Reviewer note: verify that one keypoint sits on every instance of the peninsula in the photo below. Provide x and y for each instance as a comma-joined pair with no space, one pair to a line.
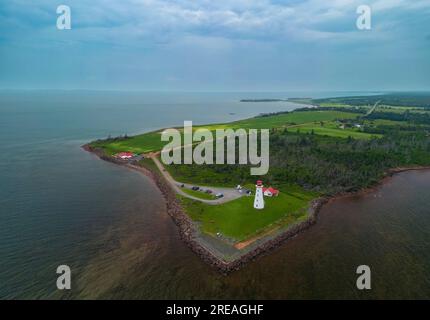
316,153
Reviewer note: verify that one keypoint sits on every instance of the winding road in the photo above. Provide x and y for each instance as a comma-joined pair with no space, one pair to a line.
229,193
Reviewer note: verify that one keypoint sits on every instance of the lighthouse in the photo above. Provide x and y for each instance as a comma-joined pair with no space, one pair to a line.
259,199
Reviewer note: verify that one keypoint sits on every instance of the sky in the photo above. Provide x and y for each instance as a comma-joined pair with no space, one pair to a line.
218,45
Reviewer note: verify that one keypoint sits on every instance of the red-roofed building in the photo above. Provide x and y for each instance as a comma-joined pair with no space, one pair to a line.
125,155
270,192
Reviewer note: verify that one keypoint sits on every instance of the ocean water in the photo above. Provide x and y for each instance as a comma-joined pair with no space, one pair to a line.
61,205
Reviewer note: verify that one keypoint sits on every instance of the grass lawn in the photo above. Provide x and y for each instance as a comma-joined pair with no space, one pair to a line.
239,220
199,194
398,109
142,143
151,141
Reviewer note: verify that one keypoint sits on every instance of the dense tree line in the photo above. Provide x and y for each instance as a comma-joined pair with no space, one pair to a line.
407,116
332,165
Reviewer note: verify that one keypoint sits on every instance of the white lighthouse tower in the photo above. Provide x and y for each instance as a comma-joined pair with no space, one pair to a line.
259,199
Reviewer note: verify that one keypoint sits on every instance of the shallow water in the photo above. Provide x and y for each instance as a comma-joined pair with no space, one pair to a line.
61,205
380,229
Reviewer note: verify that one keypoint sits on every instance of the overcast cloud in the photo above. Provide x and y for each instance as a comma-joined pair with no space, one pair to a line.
215,45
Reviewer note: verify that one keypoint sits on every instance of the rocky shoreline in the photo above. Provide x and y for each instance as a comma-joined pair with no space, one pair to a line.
188,232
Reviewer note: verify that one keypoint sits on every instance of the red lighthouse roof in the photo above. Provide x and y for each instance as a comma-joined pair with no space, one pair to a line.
259,182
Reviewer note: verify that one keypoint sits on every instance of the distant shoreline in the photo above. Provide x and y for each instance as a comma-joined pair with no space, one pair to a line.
264,100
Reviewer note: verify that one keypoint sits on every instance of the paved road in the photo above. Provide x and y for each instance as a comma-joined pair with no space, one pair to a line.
229,193
373,108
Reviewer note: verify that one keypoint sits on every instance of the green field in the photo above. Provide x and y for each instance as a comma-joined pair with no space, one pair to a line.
142,143
151,141
285,119
239,220
335,105
332,129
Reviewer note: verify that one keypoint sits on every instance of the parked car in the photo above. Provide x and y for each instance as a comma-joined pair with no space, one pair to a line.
195,188
209,191
219,195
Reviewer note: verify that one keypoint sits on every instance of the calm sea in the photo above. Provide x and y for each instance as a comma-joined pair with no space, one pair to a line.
61,205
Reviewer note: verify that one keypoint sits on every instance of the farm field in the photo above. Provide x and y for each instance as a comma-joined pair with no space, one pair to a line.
143,143
332,129
151,141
